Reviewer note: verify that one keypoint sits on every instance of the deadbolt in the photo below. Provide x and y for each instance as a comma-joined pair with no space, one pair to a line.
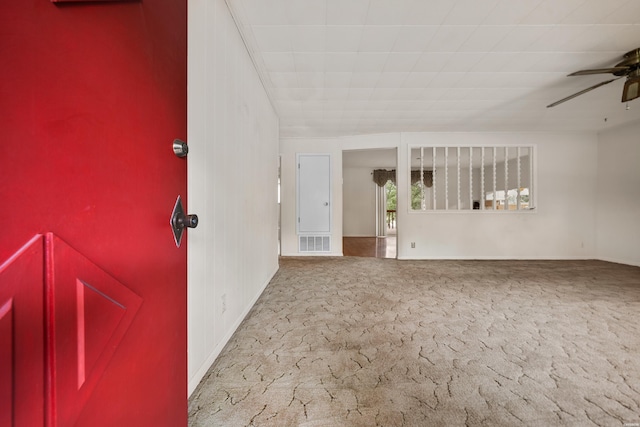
180,148
180,221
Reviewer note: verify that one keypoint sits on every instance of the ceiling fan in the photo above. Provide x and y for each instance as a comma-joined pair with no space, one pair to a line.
629,67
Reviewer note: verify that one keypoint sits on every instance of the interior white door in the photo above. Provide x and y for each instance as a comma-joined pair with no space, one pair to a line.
314,193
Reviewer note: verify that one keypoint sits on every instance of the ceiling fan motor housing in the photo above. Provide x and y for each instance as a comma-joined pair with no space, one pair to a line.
631,88
629,67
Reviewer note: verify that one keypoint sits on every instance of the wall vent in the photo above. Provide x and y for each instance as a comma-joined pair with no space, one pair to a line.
315,244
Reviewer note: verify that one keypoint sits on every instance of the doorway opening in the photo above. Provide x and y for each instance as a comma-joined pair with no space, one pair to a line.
390,205
369,203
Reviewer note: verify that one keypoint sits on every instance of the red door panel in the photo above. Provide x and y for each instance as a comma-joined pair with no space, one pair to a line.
22,337
89,313
89,108
6,362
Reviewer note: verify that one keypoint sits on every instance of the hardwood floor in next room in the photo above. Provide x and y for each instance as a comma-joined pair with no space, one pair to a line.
376,247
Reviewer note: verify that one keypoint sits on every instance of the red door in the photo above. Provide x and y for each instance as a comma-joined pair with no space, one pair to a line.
92,285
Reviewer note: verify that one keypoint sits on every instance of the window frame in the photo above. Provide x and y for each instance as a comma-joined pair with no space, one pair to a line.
484,190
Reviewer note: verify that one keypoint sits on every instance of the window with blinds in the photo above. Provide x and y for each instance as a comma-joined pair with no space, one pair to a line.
454,178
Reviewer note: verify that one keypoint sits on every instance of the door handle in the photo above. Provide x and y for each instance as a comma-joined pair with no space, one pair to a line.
180,221
326,203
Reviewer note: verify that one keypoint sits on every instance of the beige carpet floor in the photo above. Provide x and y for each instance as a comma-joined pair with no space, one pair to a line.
377,342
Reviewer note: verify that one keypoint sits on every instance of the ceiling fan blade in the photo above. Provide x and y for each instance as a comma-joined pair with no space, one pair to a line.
582,92
612,70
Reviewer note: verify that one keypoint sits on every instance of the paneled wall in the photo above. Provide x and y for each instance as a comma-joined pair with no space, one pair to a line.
618,214
233,179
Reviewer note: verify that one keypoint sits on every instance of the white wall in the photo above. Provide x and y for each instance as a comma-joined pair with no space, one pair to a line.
288,150
359,198
562,226
232,184
618,212
289,147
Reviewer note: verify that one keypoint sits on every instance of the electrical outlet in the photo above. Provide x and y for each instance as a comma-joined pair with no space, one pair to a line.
413,245
224,302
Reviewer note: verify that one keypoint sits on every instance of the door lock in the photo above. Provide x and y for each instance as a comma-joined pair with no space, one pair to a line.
180,148
180,221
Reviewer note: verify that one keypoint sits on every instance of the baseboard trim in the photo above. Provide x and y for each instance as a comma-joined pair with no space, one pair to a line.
497,258
200,373
619,261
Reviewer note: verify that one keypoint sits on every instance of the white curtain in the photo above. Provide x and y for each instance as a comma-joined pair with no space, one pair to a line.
381,211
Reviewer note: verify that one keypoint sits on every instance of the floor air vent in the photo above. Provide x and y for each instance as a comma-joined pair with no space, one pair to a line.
315,244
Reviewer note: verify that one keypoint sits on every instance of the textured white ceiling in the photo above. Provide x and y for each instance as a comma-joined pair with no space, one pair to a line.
345,67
